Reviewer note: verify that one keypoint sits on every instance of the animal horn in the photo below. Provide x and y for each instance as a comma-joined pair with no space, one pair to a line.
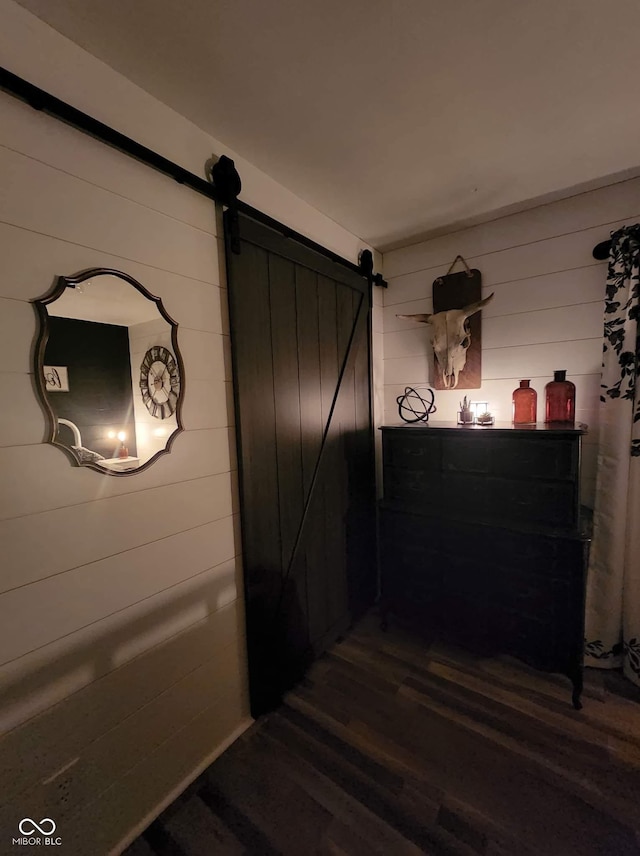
472,308
422,317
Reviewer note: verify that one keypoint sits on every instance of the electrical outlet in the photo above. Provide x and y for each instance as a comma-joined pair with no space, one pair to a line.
59,786
62,791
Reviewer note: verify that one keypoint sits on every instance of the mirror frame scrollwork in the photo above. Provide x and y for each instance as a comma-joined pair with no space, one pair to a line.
60,285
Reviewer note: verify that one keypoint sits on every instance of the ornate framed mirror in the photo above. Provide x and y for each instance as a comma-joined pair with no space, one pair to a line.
108,371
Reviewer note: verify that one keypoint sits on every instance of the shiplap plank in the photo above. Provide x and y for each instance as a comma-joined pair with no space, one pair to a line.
391,322
147,786
564,324
553,255
222,272
63,731
87,770
17,334
595,209
50,141
205,404
408,370
562,288
588,492
106,527
62,604
590,417
31,263
204,353
414,341
102,761
377,318
21,416
577,356
417,285
58,698
583,321
42,477
116,225
589,462
215,683
541,360
224,304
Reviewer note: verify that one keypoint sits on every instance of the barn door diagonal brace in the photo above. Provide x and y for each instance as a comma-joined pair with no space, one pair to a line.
359,320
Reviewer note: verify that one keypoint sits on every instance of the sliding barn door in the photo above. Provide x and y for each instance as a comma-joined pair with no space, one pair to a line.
301,364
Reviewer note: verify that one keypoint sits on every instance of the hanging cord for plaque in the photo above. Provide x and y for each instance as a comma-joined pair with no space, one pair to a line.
457,259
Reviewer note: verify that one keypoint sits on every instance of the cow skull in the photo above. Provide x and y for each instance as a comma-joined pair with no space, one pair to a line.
451,338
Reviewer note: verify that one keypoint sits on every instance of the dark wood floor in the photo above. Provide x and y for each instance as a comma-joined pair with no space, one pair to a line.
392,748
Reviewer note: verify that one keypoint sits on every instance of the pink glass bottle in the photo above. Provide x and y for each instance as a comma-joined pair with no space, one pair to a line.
560,400
525,404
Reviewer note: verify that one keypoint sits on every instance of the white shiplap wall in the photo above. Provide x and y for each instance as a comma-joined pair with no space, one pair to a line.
547,312
105,579
122,663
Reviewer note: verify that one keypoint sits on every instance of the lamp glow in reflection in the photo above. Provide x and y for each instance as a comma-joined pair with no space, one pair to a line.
123,451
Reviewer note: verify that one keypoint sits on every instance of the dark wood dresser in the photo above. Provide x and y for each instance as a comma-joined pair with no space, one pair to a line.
484,542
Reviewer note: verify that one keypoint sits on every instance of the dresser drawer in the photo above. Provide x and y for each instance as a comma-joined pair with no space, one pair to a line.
461,455
556,558
501,501
413,489
410,531
552,505
535,457
412,451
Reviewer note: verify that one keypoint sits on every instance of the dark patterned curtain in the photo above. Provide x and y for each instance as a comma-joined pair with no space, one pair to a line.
613,590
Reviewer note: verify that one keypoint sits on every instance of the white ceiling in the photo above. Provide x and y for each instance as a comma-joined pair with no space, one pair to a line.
393,117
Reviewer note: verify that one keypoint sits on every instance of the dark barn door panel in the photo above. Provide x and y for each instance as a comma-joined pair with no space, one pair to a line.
301,366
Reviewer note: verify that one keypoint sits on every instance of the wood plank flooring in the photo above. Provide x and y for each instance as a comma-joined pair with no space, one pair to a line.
391,747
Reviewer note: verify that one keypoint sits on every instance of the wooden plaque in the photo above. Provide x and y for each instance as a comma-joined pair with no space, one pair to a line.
454,291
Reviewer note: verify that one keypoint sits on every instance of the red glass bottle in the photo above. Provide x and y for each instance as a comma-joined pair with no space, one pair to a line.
560,400
525,404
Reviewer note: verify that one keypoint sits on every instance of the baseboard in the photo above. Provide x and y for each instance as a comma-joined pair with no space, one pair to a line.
131,836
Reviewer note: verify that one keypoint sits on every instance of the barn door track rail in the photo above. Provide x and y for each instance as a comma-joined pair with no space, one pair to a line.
224,186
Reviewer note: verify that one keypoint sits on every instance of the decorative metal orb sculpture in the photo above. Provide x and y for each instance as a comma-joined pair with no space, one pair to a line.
414,407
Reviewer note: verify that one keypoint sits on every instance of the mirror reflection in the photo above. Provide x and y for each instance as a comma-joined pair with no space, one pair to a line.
109,371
